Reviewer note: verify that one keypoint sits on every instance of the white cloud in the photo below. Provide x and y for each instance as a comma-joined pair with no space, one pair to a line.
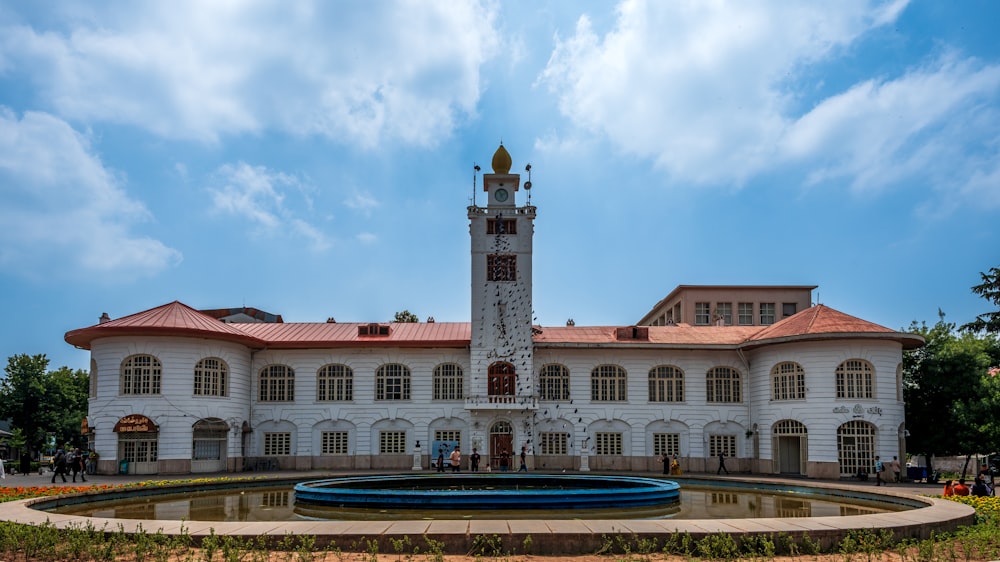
699,86
258,195
62,206
936,125
357,73
366,238
363,202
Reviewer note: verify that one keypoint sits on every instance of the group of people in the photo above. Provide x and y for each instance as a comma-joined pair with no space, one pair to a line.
74,462
455,460
979,488
886,472
670,464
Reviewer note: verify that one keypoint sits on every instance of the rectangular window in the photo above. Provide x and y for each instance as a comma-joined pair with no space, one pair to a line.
722,444
667,444
391,442
702,313
335,383
277,444
448,435
501,267
608,444
724,312
745,314
333,443
551,443
788,309
501,226
766,313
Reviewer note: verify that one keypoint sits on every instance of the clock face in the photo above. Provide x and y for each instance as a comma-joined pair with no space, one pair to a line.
500,195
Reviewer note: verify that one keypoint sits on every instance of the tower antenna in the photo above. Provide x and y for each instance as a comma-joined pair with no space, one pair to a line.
475,172
527,184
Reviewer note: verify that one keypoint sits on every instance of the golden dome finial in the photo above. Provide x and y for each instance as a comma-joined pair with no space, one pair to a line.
501,161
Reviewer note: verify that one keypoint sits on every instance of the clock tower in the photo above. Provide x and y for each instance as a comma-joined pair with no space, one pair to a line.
501,386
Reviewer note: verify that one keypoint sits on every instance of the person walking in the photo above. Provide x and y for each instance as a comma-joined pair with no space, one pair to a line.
440,467
524,459
59,465
722,464
474,460
77,465
879,471
25,463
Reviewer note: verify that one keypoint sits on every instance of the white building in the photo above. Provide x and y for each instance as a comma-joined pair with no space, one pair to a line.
816,392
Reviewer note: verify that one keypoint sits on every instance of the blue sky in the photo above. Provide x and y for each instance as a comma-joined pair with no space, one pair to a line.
314,159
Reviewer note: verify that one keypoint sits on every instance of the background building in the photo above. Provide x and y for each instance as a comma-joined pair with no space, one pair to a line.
768,380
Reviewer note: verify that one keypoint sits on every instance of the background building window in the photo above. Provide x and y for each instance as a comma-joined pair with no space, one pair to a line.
335,383
141,374
501,267
553,443
724,312
766,313
277,384
702,313
553,383
788,381
788,309
722,444
391,442
723,384
210,377
277,444
333,443
745,314
501,226
608,383
666,384
392,382
855,379
666,444
608,444
448,382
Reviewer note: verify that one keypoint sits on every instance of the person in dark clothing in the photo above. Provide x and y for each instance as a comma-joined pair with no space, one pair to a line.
722,464
474,460
524,460
25,467
77,465
440,467
59,463
979,488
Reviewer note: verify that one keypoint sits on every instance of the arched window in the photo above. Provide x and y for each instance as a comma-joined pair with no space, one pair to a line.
553,382
277,384
392,382
789,427
335,383
856,447
93,377
448,382
608,383
501,382
788,381
723,384
855,379
141,374
666,384
211,375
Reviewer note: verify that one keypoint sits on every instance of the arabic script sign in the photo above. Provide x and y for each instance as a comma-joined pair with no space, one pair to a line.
136,423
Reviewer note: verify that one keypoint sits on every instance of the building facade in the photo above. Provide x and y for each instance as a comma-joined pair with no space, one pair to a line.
815,392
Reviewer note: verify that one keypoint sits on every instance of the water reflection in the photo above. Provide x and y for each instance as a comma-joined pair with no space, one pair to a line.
278,504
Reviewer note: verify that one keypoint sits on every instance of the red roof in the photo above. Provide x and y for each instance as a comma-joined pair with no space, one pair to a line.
173,319
178,319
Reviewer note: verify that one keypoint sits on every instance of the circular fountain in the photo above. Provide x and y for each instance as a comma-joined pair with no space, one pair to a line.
471,492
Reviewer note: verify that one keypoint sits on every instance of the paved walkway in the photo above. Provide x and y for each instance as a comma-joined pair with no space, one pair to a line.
548,536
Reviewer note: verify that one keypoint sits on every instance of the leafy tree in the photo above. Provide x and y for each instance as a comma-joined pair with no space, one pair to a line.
939,379
989,289
41,402
405,316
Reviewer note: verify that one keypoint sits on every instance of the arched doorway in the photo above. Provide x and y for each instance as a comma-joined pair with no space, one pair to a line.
208,447
501,444
856,447
502,382
789,440
138,445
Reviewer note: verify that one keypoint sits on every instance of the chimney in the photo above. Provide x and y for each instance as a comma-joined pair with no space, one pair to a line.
104,318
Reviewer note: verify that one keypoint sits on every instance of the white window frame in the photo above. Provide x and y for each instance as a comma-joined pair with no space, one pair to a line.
608,443
335,383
